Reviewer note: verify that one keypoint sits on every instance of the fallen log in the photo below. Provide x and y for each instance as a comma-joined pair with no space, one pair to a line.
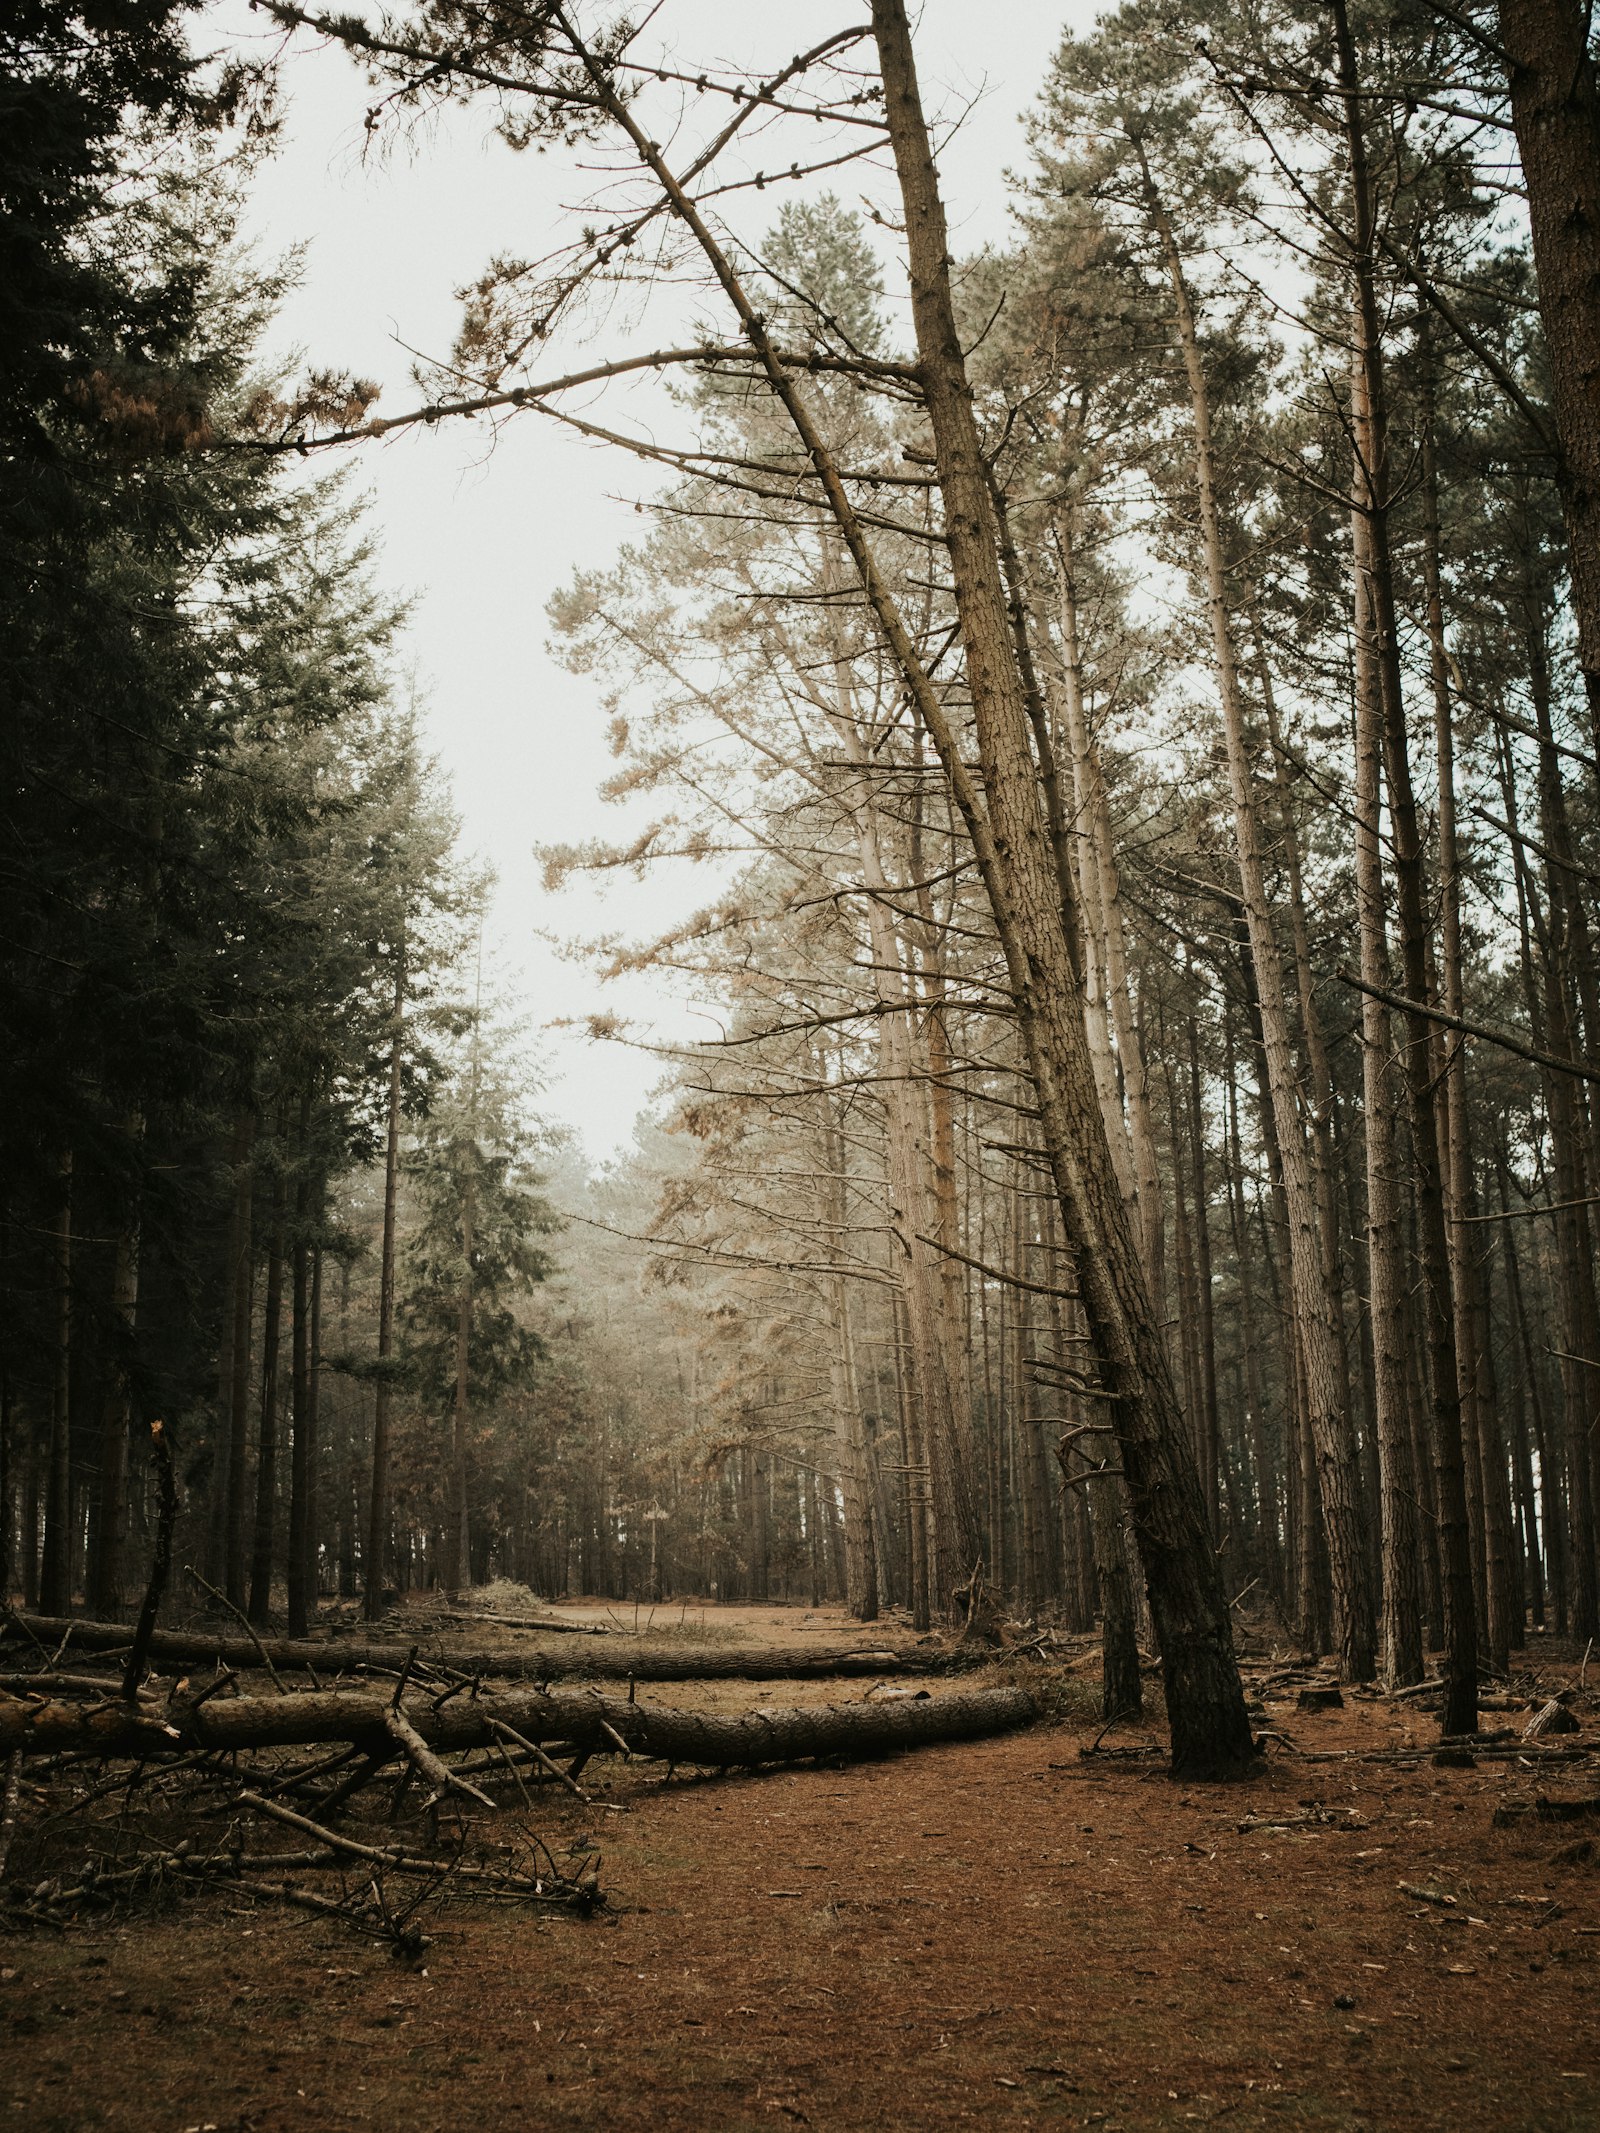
611,1658
487,1620
592,1723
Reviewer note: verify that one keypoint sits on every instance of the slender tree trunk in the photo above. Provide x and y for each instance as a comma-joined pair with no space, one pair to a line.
262,1549
1094,810
758,1508
373,1566
956,1543
1011,839
241,1283
1319,1074
1188,1296
456,1564
109,1522
1569,970
1372,490
55,1576
1400,1623
1268,1531
1210,1432
1210,1732
1484,1450
1332,1433
1525,1379
8,1460
313,1528
1555,107
300,1381
860,1559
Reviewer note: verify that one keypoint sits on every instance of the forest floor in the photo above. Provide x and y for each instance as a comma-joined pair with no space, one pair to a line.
1005,1932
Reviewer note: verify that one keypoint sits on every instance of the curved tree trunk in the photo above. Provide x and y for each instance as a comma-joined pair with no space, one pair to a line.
1210,1731
1011,840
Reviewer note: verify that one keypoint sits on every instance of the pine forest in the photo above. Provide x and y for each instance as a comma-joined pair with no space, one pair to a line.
1039,1205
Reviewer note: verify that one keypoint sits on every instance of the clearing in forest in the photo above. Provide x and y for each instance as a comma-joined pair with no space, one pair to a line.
1025,1930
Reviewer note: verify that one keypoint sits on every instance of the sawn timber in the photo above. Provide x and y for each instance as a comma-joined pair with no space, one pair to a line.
586,1720
594,1658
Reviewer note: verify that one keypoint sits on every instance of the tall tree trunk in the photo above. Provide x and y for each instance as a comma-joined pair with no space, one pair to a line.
850,1437
313,1530
1268,1530
55,1575
1400,1622
1011,839
456,1563
1372,492
1555,108
1480,1425
956,1543
240,1302
8,1467
1319,1075
262,1549
300,1379
1094,811
108,1526
1210,1731
1325,1376
1571,1005
1210,1429
373,1564
944,1207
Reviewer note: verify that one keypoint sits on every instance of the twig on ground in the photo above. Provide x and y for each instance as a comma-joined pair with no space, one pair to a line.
502,1731
439,1774
240,1616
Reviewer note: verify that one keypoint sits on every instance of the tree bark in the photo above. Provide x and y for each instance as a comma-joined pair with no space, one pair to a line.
241,1282
1210,1732
1400,1620
262,1549
55,1574
301,1450
582,1719
1094,811
1555,108
1369,414
378,1500
108,1527
603,1658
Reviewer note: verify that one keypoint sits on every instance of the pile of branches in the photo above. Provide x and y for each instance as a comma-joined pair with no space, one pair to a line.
112,1802
186,1759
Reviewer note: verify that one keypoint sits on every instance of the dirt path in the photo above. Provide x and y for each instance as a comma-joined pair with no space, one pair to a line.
996,1932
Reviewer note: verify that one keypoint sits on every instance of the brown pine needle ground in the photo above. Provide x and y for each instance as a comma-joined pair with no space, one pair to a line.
991,1933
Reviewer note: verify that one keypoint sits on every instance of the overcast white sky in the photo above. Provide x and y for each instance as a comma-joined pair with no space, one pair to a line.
478,539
